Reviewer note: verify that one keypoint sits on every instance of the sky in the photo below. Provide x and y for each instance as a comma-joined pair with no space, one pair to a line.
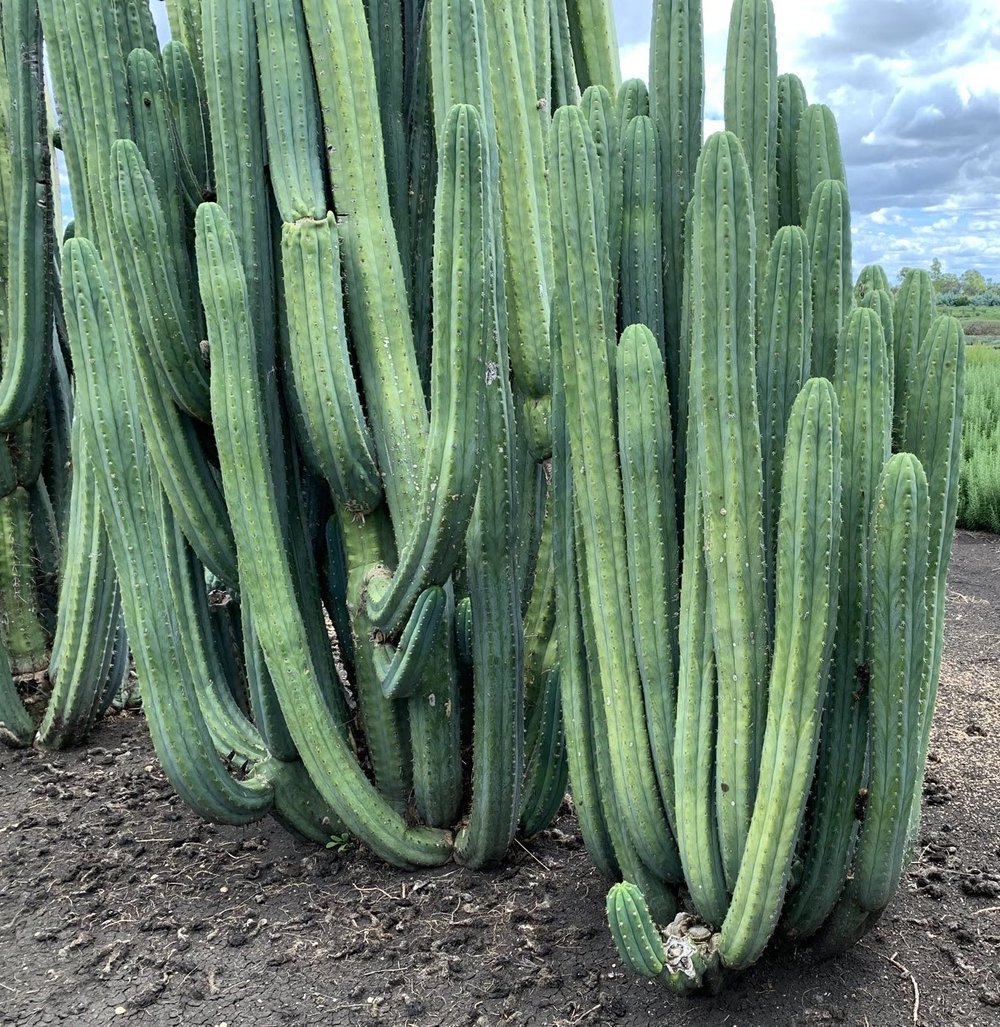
915,86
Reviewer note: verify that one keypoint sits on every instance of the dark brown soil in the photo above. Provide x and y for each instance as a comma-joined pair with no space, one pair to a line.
118,906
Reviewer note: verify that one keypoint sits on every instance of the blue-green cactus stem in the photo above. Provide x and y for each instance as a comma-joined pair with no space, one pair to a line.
332,428
401,664
27,283
17,729
86,615
265,576
633,931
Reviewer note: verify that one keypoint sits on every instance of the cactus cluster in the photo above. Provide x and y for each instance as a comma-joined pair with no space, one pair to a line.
434,418
752,728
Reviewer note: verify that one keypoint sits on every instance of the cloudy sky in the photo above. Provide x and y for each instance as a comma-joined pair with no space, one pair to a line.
915,85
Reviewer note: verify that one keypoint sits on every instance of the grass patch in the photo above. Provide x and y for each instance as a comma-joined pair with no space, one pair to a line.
979,480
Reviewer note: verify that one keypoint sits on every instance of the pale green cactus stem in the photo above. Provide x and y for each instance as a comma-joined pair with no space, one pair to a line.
791,104
646,451
872,277
641,274
17,729
880,300
934,402
377,303
576,685
697,690
783,355
914,310
595,43
144,554
829,231
676,78
818,156
805,619
22,635
723,346
586,333
898,697
865,397
752,110
187,106
632,102
186,27
565,80
524,205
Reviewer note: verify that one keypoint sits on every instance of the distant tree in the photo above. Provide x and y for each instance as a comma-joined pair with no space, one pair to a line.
973,283
943,281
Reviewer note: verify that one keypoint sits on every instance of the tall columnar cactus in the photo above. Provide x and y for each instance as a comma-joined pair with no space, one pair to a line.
768,713
26,347
391,429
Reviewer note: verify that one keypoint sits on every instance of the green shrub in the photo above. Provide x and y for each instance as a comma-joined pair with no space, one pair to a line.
979,482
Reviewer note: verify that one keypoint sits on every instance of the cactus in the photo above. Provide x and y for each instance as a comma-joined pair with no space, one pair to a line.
607,494
791,105
818,157
723,350
676,74
759,755
752,109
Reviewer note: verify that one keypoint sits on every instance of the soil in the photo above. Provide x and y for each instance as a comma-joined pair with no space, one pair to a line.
118,906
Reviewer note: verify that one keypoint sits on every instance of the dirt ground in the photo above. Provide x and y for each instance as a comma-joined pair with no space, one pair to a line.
118,906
